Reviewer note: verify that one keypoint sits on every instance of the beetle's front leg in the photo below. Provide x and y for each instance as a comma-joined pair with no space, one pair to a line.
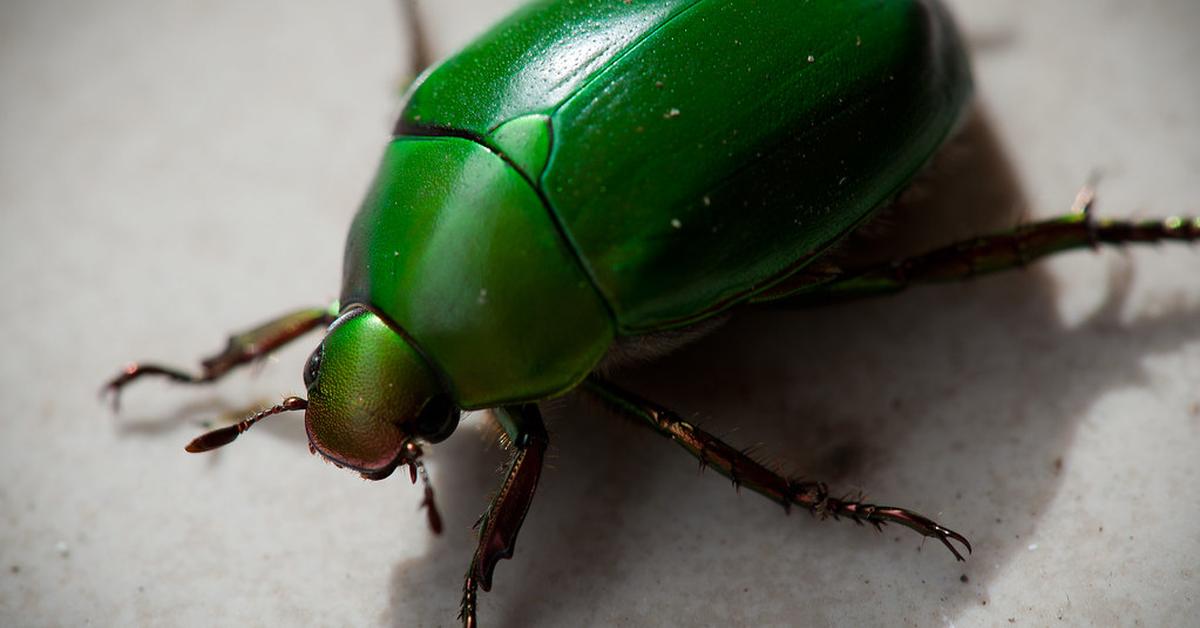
499,526
241,348
745,471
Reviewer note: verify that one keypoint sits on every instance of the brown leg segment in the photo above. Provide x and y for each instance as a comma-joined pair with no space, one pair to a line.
821,284
745,471
422,56
241,348
498,527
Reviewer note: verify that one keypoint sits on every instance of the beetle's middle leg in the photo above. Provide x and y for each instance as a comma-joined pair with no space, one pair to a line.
241,348
745,471
499,525
821,284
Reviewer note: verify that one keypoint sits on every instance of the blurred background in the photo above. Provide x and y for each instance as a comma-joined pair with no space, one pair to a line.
174,170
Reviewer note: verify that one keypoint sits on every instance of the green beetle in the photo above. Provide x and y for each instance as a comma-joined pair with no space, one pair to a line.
594,175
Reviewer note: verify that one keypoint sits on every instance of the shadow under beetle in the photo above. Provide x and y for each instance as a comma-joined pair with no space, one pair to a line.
593,171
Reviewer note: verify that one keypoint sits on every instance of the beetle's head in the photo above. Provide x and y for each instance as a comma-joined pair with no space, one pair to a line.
372,399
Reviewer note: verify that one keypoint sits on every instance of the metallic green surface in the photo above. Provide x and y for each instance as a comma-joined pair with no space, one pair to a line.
526,141
721,176
593,167
370,381
531,62
702,150
454,247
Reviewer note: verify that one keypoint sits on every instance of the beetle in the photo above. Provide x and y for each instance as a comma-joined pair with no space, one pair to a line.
574,182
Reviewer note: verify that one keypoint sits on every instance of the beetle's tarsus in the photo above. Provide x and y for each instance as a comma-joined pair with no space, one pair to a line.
744,470
1079,228
135,370
243,348
466,609
882,515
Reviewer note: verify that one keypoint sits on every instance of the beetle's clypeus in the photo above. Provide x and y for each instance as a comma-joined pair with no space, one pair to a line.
591,171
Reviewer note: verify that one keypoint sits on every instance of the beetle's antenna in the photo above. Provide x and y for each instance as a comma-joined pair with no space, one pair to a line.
435,518
226,435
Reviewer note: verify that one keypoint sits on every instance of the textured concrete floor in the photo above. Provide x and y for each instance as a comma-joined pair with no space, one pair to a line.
173,170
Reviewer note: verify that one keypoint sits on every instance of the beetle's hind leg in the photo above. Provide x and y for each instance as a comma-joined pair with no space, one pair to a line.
242,348
820,284
745,471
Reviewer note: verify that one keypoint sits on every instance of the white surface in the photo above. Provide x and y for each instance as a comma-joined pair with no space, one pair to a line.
171,171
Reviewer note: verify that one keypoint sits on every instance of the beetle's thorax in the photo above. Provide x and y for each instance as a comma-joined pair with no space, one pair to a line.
454,245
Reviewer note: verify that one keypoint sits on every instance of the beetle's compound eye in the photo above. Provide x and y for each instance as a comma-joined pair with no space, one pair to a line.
313,367
438,419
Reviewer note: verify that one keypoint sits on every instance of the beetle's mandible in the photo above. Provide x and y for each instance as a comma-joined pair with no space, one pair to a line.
594,171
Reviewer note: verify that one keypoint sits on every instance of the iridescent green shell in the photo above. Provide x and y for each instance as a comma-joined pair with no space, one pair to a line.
594,168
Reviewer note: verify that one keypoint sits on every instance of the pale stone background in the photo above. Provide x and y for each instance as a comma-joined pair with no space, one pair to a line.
172,170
